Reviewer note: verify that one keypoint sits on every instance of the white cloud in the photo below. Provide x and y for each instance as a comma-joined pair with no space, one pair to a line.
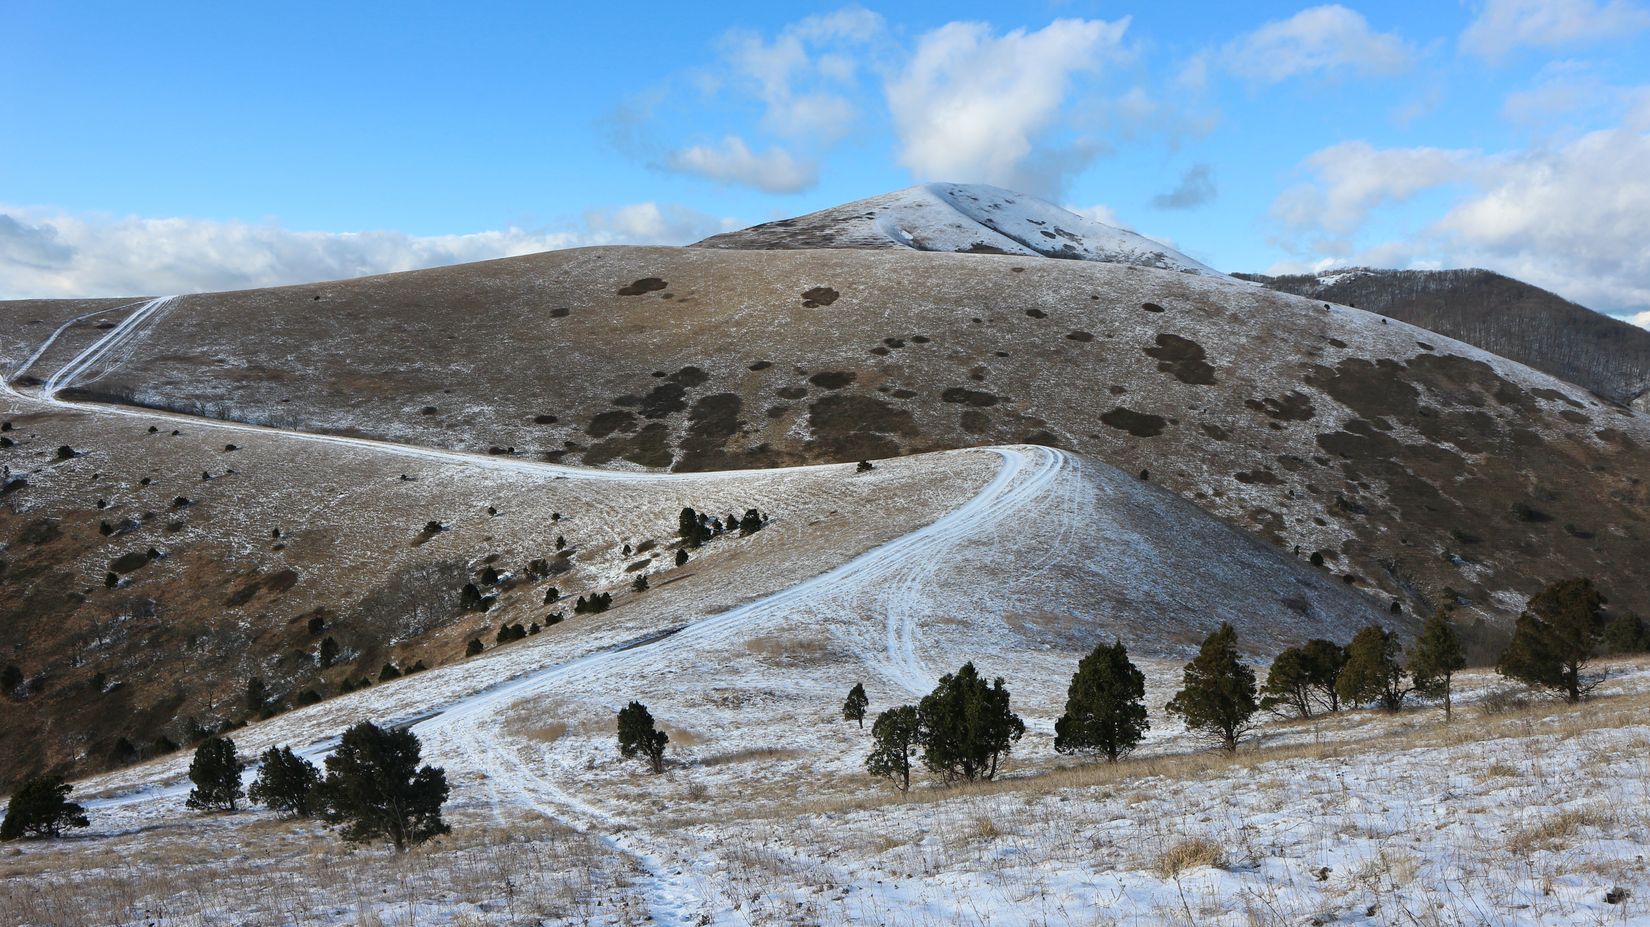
973,106
799,73
48,253
1502,26
733,162
1352,178
648,224
1573,219
1641,319
1322,39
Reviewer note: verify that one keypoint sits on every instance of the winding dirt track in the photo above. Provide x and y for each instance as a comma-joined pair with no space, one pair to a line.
465,731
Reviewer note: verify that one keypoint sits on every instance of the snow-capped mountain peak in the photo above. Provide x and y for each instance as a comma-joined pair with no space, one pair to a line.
964,218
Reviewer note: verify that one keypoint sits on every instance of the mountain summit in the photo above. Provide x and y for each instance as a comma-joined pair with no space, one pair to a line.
965,218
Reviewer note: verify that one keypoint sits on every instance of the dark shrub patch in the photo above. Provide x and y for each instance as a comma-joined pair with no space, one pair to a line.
819,296
642,286
969,397
832,379
1139,424
126,563
1080,335
1183,358
606,423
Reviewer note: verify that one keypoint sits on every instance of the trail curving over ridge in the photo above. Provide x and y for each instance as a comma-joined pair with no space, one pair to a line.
462,731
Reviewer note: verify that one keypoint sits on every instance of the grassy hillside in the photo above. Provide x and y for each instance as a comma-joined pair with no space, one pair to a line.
1418,467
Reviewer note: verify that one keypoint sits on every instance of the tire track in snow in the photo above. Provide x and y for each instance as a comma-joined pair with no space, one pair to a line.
467,725
129,328
58,332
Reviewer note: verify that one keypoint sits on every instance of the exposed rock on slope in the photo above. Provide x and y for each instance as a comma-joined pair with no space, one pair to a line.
1417,465
969,218
1499,314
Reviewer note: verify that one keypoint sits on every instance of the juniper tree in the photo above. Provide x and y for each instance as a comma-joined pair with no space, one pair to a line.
751,523
1436,657
966,727
1553,642
473,647
374,788
1626,633
286,783
216,773
1217,695
1105,706
1374,670
690,525
41,808
854,708
1324,660
894,737
681,556
638,736
1289,688
329,651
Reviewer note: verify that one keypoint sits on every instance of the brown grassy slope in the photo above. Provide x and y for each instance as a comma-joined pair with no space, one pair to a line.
226,599
1498,314
1415,464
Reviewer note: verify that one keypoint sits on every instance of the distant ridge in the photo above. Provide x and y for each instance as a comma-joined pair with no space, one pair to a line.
962,218
1499,314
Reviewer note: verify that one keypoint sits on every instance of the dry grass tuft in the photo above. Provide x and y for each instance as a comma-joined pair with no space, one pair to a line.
985,828
1553,831
792,651
547,732
1195,853
750,755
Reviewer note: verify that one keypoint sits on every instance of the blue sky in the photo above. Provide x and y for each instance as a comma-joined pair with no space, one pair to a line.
167,147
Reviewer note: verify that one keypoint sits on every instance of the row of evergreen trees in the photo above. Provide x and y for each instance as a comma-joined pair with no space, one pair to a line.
964,727
695,528
373,789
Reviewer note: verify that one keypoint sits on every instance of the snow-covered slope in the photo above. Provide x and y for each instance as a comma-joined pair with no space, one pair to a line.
966,218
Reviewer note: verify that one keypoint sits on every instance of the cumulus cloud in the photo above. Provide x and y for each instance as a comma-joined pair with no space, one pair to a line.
733,162
1641,319
1503,26
799,73
1573,219
970,105
1320,40
1352,178
1196,187
46,253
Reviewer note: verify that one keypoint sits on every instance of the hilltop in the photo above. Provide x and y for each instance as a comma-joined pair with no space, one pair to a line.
1499,314
962,218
